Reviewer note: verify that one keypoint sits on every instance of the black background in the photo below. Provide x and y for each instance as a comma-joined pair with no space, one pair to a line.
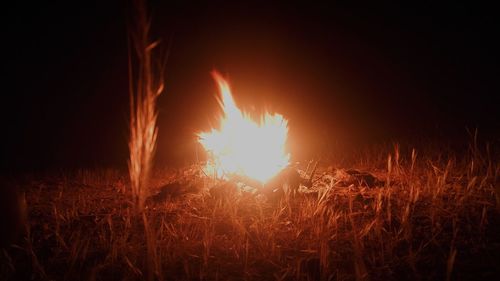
350,73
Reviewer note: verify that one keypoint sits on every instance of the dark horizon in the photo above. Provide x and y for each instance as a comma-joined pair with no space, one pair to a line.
348,74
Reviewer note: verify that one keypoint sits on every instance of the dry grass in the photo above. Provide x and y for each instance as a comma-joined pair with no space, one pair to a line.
429,220
143,113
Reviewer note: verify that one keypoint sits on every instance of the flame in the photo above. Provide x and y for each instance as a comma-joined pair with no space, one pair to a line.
242,146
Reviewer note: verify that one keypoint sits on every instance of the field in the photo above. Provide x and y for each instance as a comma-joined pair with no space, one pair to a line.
427,216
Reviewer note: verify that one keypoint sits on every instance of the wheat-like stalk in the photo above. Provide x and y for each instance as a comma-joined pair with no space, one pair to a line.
143,113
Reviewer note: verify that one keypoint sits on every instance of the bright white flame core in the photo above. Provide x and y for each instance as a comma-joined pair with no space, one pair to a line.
242,146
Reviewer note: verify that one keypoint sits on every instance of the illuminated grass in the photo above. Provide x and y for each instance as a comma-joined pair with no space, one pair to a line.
430,220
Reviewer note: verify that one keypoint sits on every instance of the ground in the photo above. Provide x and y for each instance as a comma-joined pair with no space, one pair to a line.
423,218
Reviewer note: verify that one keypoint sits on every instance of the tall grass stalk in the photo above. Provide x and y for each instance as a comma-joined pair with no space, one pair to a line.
143,95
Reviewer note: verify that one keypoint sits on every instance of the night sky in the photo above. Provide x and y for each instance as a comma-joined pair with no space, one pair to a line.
352,73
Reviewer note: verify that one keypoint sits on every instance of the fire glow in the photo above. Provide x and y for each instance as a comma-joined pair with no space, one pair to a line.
242,146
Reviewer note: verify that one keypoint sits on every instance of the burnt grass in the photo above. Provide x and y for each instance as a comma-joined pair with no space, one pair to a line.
422,219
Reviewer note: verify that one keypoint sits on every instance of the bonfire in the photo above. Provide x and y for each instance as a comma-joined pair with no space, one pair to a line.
244,147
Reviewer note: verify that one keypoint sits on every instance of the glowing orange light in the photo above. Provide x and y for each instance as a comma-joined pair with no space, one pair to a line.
242,146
